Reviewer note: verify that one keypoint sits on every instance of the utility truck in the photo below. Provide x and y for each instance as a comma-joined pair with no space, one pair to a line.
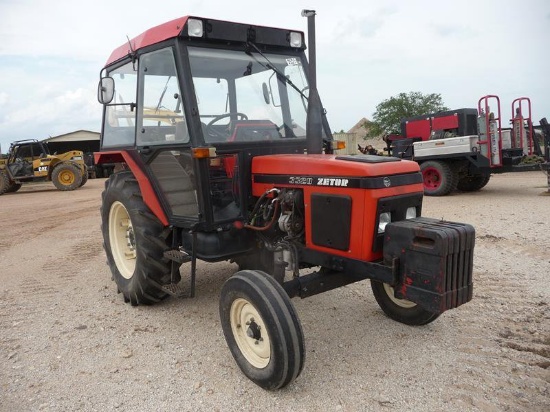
461,149
224,152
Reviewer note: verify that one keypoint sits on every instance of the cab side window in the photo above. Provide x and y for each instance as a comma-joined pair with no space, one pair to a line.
160,116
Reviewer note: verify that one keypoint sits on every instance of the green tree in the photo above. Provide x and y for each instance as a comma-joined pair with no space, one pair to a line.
388,114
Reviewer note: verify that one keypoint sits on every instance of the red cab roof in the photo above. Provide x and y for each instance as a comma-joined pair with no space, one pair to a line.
154,35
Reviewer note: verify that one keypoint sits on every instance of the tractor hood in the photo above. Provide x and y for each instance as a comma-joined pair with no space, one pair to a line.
345,171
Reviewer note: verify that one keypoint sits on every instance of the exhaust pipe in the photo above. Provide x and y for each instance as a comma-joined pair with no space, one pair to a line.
314,121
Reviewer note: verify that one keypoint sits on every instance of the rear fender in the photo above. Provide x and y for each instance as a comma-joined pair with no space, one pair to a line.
147,191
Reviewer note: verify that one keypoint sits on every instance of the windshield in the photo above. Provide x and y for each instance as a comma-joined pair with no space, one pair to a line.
241,99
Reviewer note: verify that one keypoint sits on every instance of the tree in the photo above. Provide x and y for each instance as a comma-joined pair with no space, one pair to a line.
388,114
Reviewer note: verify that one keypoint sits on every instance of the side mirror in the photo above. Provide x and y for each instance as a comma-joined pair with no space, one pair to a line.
106,90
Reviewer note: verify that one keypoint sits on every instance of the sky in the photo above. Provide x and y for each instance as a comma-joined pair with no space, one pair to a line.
51,53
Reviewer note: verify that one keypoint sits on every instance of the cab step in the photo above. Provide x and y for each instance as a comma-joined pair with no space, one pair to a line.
175,289
177,256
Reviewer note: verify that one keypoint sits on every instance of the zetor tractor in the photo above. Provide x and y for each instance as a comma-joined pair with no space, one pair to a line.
224,153
30,161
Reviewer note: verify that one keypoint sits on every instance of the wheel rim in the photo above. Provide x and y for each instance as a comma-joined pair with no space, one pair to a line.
122,240
250,333
404,303
432,178
66,177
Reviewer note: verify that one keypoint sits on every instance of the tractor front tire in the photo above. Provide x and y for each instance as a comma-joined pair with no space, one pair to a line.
439,178
262,329
400,310
66,176
134,241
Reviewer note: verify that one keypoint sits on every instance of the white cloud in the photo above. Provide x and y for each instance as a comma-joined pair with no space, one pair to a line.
4,97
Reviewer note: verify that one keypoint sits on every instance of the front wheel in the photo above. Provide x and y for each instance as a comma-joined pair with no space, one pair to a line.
262,329
401,310
134,242
66,176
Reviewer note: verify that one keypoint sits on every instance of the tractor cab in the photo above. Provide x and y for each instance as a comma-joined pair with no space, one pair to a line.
201,104
21,156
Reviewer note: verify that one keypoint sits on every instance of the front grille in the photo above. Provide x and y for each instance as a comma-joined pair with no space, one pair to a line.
397,206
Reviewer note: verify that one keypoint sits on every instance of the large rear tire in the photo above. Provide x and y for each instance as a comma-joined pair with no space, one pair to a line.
66,176
439,178
473,183
400,310
262,329
134,242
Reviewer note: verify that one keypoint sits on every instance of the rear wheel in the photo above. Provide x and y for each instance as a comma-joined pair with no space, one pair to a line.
439,178
401,310
262,329
134,242
66,176
473,183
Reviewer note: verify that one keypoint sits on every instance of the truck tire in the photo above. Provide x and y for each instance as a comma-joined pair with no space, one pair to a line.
262,329
473,183
401,310
66,176
439,178
4,182
133,242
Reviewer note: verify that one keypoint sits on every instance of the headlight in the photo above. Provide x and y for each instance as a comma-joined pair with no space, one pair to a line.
76,158
194,28
410,213
295,39
383,220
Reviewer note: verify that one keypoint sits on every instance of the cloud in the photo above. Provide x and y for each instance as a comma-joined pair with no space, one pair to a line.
449,30
3,98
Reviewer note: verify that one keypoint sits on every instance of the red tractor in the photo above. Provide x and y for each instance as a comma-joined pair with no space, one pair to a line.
224,153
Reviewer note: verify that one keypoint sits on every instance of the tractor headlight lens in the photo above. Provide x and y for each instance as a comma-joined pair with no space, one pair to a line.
295,39
383,221
195,28
410,213
76,158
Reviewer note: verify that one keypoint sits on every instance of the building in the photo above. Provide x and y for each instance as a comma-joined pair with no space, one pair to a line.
83,140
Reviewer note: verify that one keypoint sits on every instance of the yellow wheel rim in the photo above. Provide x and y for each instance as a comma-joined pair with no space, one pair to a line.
67,177
122,240
404,303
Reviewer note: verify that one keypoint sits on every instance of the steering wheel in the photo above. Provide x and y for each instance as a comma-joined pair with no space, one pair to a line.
210,131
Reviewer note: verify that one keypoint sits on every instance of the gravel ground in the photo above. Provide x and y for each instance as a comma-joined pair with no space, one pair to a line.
68,342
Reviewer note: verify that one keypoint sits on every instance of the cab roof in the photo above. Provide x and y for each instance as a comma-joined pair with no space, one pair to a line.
151,36
215,30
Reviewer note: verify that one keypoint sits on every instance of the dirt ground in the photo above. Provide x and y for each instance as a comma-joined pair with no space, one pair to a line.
68,341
